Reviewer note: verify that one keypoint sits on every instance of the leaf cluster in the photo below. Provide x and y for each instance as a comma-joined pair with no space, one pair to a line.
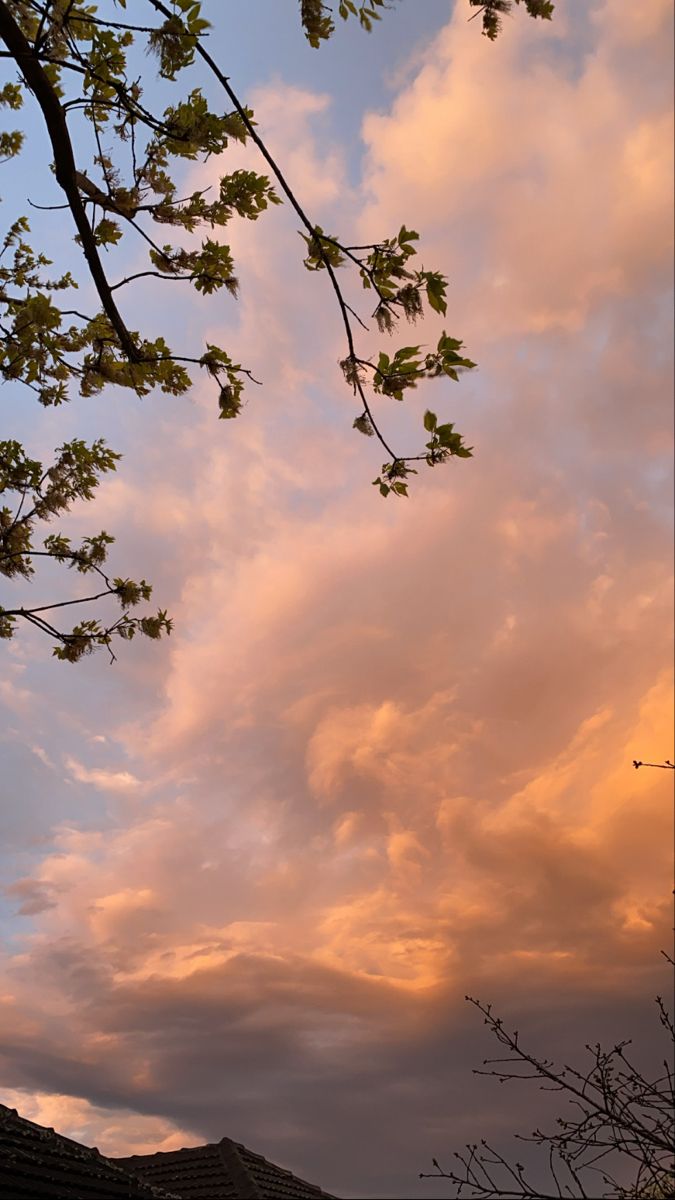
317,18
33,494
493,11
120,180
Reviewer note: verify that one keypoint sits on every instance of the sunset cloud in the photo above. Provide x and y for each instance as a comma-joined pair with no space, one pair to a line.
104,1128
385,757
115,781
557,170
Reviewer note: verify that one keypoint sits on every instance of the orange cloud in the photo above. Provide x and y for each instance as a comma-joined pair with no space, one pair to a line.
107,1129
544,188
390,747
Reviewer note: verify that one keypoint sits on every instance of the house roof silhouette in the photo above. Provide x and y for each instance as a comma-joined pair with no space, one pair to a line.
37,1163
223,1170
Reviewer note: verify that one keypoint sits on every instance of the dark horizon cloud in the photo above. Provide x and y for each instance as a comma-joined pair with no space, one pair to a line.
267,1077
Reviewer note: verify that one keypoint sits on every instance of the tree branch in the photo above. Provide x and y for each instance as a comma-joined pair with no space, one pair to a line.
64,162
290,196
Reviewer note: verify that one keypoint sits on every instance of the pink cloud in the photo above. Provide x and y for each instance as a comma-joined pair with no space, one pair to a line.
107,1129
390,747
562,181
115,781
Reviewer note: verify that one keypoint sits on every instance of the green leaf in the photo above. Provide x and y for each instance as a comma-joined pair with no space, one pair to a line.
436,286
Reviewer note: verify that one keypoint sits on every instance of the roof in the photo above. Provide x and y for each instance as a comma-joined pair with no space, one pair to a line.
222,1170
36,1162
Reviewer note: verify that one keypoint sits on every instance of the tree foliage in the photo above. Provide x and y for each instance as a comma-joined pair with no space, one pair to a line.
492,12
117,157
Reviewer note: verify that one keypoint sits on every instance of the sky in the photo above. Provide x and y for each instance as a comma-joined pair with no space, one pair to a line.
250,873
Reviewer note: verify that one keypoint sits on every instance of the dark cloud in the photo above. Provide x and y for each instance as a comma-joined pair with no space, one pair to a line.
33,896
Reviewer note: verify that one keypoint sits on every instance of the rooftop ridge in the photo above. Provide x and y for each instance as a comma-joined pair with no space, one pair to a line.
234,1164
253,1176
281,1170
38,1161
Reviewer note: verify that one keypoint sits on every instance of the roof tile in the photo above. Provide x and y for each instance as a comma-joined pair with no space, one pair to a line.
36,1162
223,1170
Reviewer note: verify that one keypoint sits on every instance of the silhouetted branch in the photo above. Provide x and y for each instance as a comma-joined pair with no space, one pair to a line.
664,766
621,1123
64,161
